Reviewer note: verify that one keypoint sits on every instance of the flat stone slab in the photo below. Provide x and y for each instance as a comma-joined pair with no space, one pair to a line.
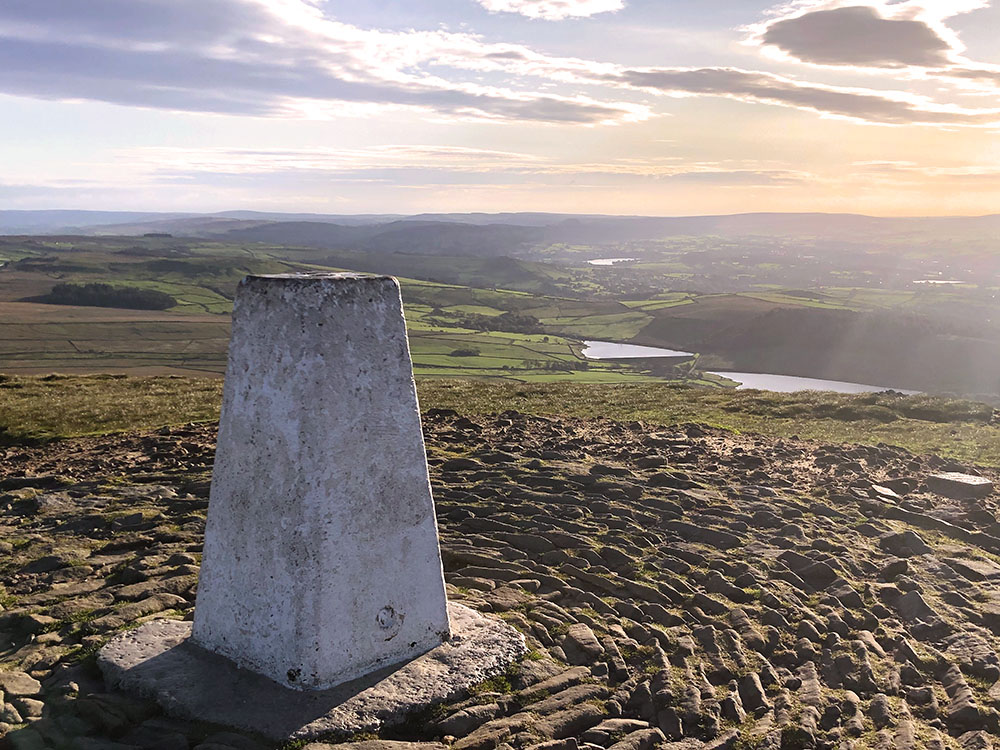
975,570
960,486
159,661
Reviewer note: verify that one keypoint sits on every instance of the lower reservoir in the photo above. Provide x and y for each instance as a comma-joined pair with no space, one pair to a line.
759,380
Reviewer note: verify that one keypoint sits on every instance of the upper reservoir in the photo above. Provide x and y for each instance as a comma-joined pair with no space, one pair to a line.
611,350
610,261
746,380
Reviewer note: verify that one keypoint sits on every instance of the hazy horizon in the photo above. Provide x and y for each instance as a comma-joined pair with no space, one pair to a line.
482,212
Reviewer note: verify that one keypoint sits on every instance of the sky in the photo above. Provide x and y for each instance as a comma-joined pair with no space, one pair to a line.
652,107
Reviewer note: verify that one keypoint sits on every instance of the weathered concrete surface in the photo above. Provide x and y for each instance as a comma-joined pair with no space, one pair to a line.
321,560
159,660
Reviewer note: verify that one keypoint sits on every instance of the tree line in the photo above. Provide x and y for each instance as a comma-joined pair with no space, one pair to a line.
106,295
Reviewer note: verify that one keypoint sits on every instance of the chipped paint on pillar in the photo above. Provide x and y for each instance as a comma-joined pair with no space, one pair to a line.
321,559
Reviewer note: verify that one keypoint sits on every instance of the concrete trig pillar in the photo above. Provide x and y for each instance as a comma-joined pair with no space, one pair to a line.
321,559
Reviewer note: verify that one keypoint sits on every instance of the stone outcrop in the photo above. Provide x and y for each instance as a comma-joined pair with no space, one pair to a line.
698,589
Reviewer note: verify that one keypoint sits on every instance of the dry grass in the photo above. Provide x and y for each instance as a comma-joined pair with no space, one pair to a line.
35,409
962,430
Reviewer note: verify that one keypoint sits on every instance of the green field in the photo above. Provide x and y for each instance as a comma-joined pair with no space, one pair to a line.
191,337
936,338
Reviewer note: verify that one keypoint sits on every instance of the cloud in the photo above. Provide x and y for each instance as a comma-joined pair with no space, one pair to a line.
908,171
903,38
858,35
867,105
277,58
984,74
553,10
285,58
408,164
9,191
866,33
881,106
396,156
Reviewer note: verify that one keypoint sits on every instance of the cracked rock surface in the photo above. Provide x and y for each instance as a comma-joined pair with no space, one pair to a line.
678,587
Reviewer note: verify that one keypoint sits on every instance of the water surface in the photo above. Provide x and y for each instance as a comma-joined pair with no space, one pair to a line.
609,261
611,350
794,384
760,380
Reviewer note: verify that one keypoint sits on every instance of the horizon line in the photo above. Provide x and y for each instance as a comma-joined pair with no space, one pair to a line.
221,213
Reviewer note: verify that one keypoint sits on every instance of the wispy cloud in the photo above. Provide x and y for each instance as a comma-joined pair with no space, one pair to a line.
254,57
861,104
404,163
908,171
250,161
553,10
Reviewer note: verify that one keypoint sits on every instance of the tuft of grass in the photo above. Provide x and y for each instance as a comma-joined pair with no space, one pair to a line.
53,407
40,409
501,683
414,728
922,424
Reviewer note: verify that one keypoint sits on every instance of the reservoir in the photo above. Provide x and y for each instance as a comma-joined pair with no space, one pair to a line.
746,380
793,384
609,261
610,350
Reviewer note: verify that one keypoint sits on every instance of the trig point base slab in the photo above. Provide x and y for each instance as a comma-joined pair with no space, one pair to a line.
159,661
321,576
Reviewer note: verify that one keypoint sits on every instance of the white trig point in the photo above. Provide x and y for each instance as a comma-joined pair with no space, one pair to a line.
321,561
321,606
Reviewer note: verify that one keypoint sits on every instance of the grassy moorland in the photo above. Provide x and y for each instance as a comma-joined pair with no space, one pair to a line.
452,333
964,430
51,407
35,409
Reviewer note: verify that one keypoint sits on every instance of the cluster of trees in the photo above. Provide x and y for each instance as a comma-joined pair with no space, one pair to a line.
556,365
509,322
106,295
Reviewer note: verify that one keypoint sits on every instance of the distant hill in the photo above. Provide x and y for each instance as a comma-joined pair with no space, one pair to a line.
346,219
141,222
497,271
187,226
418,237
422,235
492,231
69,222
301,234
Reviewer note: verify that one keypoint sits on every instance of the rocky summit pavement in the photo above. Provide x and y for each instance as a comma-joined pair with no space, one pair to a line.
679,588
